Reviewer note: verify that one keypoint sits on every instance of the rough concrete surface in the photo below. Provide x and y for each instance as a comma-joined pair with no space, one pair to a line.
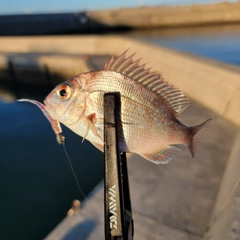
225,219
226,226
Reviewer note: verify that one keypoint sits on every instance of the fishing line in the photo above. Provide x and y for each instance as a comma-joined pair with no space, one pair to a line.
78,185
72,169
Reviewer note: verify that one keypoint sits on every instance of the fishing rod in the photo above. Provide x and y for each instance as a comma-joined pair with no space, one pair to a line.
117,202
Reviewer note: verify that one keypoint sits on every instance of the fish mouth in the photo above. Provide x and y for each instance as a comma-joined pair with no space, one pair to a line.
48,106
50,110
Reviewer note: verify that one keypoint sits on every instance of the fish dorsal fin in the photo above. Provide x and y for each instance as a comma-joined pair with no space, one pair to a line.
175,98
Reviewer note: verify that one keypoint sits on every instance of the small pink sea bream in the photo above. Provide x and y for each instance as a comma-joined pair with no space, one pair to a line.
149,109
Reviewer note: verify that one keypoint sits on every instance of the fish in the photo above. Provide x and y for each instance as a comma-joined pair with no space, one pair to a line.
149,109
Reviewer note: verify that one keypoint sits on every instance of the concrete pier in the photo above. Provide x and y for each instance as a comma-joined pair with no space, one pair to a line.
186,199
169,202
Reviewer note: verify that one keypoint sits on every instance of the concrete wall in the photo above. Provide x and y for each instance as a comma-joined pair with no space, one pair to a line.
162,16
39,68
215,86
54,23
225,220
99,21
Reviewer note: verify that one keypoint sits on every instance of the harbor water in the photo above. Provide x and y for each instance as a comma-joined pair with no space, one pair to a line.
221,43
36,182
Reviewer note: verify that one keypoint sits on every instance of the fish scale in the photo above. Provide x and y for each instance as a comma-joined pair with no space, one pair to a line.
110,81
149,109
131,119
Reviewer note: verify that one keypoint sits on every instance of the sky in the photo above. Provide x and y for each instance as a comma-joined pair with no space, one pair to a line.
56,6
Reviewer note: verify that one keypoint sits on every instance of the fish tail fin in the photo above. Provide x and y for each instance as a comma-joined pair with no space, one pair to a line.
195,134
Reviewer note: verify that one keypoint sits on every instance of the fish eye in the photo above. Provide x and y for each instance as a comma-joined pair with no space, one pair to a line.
64,92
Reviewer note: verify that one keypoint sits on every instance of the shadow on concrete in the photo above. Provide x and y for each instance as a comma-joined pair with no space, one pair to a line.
24,75
52,24
27,82
81,231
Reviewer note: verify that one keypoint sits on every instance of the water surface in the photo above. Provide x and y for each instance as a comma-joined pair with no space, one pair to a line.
36,184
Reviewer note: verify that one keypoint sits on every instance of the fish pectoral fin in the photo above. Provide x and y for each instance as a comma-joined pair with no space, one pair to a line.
91,127
88,127
98,146
94,130
162,157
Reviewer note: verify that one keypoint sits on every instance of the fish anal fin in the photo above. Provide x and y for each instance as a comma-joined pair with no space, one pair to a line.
162,157
174,98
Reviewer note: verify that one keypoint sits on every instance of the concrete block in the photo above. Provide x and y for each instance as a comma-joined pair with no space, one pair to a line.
231,176
232,107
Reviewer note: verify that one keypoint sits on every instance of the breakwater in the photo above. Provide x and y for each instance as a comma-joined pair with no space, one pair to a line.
120,19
